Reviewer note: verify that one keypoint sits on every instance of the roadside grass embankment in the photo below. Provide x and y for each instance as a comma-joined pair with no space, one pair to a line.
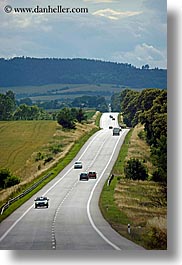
142,204
73,141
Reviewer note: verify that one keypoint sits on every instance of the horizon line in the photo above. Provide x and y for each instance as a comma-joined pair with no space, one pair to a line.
80,58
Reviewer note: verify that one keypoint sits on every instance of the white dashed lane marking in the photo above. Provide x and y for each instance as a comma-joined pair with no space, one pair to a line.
53,240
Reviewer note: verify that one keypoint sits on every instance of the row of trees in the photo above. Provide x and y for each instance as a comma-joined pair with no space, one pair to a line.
9,110
25,112
94,102
40,71
24,109
67,117
149,107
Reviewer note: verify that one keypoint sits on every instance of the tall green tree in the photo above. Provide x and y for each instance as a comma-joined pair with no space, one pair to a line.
129,107
135,169
80,115
116,102
155,118
159,157
7,105
66,119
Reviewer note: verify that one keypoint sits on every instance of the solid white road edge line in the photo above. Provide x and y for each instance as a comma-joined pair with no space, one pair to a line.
20,218
89,200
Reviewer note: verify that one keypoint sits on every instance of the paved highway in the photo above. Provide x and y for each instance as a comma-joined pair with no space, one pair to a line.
73,220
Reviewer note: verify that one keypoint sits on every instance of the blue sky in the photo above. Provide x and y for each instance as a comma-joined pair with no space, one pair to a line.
127,31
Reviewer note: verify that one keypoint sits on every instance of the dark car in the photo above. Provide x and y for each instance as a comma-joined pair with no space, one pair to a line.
92,175
84,176
41,202
116,131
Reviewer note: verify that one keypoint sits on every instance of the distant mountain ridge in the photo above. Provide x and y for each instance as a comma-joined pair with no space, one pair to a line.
26,71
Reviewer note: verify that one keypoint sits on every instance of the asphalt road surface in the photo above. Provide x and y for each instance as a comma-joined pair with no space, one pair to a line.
73,220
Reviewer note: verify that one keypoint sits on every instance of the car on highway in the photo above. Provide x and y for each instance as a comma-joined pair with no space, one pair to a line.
116,131
110,127
78,164
92,175
84,176
41,202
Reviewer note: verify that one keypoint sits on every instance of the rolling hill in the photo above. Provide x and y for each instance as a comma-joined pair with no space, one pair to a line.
21,71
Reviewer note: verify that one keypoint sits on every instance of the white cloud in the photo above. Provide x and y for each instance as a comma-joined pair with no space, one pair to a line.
115,15
143,54
23,22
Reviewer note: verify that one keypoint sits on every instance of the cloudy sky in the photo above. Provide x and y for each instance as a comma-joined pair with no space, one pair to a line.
127,31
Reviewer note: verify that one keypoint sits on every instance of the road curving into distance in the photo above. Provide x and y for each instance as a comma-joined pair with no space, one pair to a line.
73,220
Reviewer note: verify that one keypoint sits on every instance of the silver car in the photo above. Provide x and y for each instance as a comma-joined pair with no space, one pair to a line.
78,164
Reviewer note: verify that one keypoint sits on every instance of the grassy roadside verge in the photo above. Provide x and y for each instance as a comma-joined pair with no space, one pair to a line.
142,204
57,168
107,204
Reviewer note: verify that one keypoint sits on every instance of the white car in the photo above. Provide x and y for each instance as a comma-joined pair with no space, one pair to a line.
41,202
78,164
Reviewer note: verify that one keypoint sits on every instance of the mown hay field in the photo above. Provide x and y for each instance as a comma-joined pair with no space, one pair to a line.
20,139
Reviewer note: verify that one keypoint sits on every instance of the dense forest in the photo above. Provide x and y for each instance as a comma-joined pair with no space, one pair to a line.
148,107
21,71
